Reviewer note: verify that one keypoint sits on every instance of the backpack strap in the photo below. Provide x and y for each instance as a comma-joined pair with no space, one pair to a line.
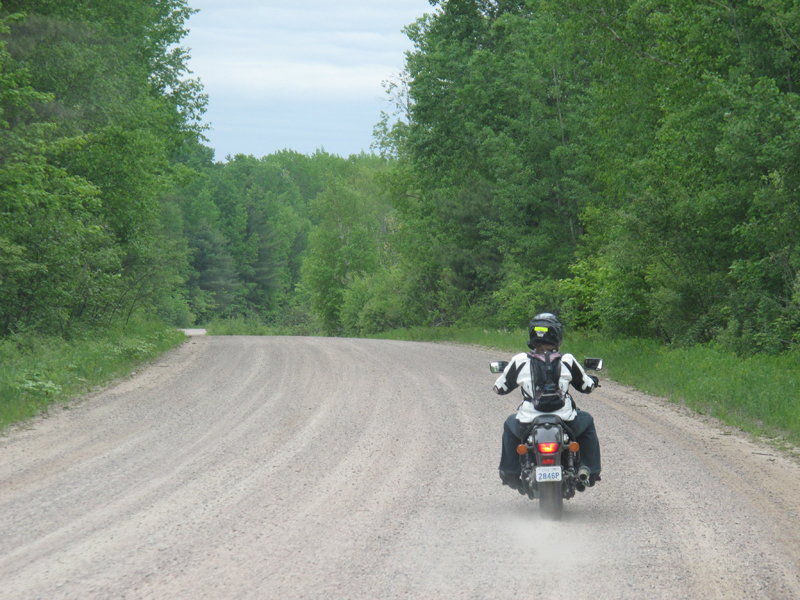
550,366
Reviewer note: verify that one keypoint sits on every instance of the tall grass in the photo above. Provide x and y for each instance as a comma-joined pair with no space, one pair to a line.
36,372
760,394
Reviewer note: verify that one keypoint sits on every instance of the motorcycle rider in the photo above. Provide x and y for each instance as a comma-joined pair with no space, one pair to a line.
545,335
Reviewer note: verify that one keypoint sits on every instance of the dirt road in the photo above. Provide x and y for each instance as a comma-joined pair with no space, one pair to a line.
332,468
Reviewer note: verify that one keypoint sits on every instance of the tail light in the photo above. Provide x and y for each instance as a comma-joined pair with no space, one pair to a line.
549,448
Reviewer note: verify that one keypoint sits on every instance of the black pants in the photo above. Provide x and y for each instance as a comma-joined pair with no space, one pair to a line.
582,426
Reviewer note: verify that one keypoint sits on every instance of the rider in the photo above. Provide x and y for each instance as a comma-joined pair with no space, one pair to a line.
546,334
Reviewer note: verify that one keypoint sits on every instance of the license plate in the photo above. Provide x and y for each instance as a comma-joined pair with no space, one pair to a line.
548,474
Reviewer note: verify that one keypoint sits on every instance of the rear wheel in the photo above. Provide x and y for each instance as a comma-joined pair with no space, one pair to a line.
551,502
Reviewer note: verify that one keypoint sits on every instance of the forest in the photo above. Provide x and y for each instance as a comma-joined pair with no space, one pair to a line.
632,165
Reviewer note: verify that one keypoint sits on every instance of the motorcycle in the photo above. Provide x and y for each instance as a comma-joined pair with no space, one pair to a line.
550,457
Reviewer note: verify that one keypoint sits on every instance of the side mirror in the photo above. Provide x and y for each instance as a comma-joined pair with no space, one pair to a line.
593,364
498,366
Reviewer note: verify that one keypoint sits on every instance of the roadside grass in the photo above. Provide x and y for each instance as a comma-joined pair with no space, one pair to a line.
37,372
759,394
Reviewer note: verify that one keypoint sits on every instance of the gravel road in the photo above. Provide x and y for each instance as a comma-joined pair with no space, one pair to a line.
267,467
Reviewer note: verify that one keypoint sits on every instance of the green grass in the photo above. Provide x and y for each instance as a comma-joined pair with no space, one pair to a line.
760,394
36,372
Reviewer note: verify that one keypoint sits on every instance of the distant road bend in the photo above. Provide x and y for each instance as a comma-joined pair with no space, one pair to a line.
287,468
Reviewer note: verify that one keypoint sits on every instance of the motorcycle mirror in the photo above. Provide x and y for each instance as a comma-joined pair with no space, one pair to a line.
593,364
498,366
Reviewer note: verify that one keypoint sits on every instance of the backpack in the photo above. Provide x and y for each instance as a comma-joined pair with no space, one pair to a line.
545,373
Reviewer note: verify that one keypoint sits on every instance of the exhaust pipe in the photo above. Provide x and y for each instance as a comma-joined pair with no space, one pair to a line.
583,479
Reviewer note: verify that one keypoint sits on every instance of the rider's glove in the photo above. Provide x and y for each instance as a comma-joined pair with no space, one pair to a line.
596,380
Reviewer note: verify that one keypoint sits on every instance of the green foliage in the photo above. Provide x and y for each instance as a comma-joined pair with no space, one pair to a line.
271,239
383,301
342,247
673,234
494,136
522,296
632,165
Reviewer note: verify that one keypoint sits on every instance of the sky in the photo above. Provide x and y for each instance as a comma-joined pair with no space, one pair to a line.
298,74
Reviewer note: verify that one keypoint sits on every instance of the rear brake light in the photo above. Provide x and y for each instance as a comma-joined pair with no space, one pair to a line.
548,448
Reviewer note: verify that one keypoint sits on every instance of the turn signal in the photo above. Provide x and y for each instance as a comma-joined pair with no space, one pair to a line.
548,448
574,446
522,449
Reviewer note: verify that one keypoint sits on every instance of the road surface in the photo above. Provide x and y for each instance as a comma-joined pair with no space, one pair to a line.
287,468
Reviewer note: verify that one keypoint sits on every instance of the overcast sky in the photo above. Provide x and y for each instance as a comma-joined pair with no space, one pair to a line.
297,74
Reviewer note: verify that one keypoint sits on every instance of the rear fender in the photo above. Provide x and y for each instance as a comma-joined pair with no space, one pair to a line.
548,432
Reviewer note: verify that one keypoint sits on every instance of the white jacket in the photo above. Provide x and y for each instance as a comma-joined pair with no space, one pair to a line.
518,373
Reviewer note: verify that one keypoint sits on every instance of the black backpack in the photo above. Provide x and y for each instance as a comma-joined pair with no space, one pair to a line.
545,373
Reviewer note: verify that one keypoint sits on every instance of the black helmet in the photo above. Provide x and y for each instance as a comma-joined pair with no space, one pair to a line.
545,329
